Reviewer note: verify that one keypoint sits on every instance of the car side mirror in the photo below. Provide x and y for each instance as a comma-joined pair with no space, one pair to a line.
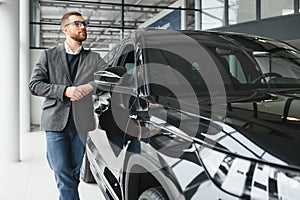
106,80
110,82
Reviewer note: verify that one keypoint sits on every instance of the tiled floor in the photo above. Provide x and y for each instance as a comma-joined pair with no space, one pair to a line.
32,179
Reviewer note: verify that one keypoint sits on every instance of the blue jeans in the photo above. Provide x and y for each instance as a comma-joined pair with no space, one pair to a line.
65,152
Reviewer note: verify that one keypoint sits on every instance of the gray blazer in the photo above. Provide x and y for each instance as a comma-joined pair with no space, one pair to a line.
49,79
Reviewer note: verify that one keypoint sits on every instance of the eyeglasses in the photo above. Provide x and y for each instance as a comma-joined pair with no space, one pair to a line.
78,23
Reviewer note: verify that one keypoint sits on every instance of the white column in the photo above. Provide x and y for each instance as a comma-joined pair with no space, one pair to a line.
197,15
183,15
24,67
9,82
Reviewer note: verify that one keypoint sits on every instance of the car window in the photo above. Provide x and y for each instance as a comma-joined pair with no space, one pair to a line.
167,69
253,62
127,60
129,67
283,65
236,64
234,67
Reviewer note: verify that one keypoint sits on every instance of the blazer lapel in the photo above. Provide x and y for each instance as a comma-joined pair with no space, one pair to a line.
63,58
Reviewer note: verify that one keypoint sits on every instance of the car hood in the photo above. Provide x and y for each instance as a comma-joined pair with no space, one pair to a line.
271,123
265,126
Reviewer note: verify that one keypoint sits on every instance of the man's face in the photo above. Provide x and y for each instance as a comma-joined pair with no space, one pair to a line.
75,28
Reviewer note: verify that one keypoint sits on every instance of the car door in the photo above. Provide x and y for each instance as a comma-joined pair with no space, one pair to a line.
111,108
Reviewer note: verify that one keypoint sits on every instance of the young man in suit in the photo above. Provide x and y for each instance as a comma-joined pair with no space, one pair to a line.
64,76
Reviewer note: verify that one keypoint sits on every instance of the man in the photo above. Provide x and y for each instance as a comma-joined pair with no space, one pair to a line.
64,76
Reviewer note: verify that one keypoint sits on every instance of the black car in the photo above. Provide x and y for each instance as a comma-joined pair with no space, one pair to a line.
197,115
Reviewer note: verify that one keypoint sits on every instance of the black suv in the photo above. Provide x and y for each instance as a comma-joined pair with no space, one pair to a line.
197,115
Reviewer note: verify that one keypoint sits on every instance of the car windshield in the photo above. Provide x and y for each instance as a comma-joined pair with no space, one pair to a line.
256,63
243,62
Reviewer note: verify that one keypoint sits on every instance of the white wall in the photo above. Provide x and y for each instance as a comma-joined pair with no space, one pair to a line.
36,102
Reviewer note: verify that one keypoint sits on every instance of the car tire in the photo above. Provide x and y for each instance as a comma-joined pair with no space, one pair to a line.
86,173
155,193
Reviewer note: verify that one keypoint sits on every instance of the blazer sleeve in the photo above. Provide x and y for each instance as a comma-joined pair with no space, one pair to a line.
39,83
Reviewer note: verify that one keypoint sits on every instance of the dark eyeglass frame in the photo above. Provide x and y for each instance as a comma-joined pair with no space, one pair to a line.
78,23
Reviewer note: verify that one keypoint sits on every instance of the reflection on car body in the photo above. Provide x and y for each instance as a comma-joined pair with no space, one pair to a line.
197,115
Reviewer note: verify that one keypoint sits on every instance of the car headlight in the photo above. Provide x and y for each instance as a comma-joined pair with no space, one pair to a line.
250,178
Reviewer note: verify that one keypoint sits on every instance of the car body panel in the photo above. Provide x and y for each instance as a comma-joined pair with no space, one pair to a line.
205,133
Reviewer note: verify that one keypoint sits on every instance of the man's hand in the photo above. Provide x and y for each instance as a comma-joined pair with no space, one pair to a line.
77,93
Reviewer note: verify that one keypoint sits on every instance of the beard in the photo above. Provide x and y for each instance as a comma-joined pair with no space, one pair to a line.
79,37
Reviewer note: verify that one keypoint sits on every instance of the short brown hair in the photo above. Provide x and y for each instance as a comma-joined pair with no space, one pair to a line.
66,16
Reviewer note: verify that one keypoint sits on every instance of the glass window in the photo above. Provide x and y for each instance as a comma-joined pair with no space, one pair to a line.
235,68
212,14
273,8
241,11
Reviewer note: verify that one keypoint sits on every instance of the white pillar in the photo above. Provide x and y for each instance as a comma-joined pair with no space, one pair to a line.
24,67
9,82
183,15
197,15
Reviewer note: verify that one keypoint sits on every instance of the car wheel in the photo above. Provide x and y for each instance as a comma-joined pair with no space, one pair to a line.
86,174
156,193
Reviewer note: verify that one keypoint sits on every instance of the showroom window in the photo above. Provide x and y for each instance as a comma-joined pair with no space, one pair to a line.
241,11
273,8
212,14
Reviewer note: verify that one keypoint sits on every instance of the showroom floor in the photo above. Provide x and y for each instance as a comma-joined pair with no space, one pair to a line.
32,179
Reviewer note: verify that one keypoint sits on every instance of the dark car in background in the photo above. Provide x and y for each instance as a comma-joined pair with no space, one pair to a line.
197,115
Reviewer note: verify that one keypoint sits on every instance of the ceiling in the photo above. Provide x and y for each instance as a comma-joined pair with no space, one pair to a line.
104,16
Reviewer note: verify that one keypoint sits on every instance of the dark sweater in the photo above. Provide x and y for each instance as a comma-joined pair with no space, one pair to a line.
73,61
